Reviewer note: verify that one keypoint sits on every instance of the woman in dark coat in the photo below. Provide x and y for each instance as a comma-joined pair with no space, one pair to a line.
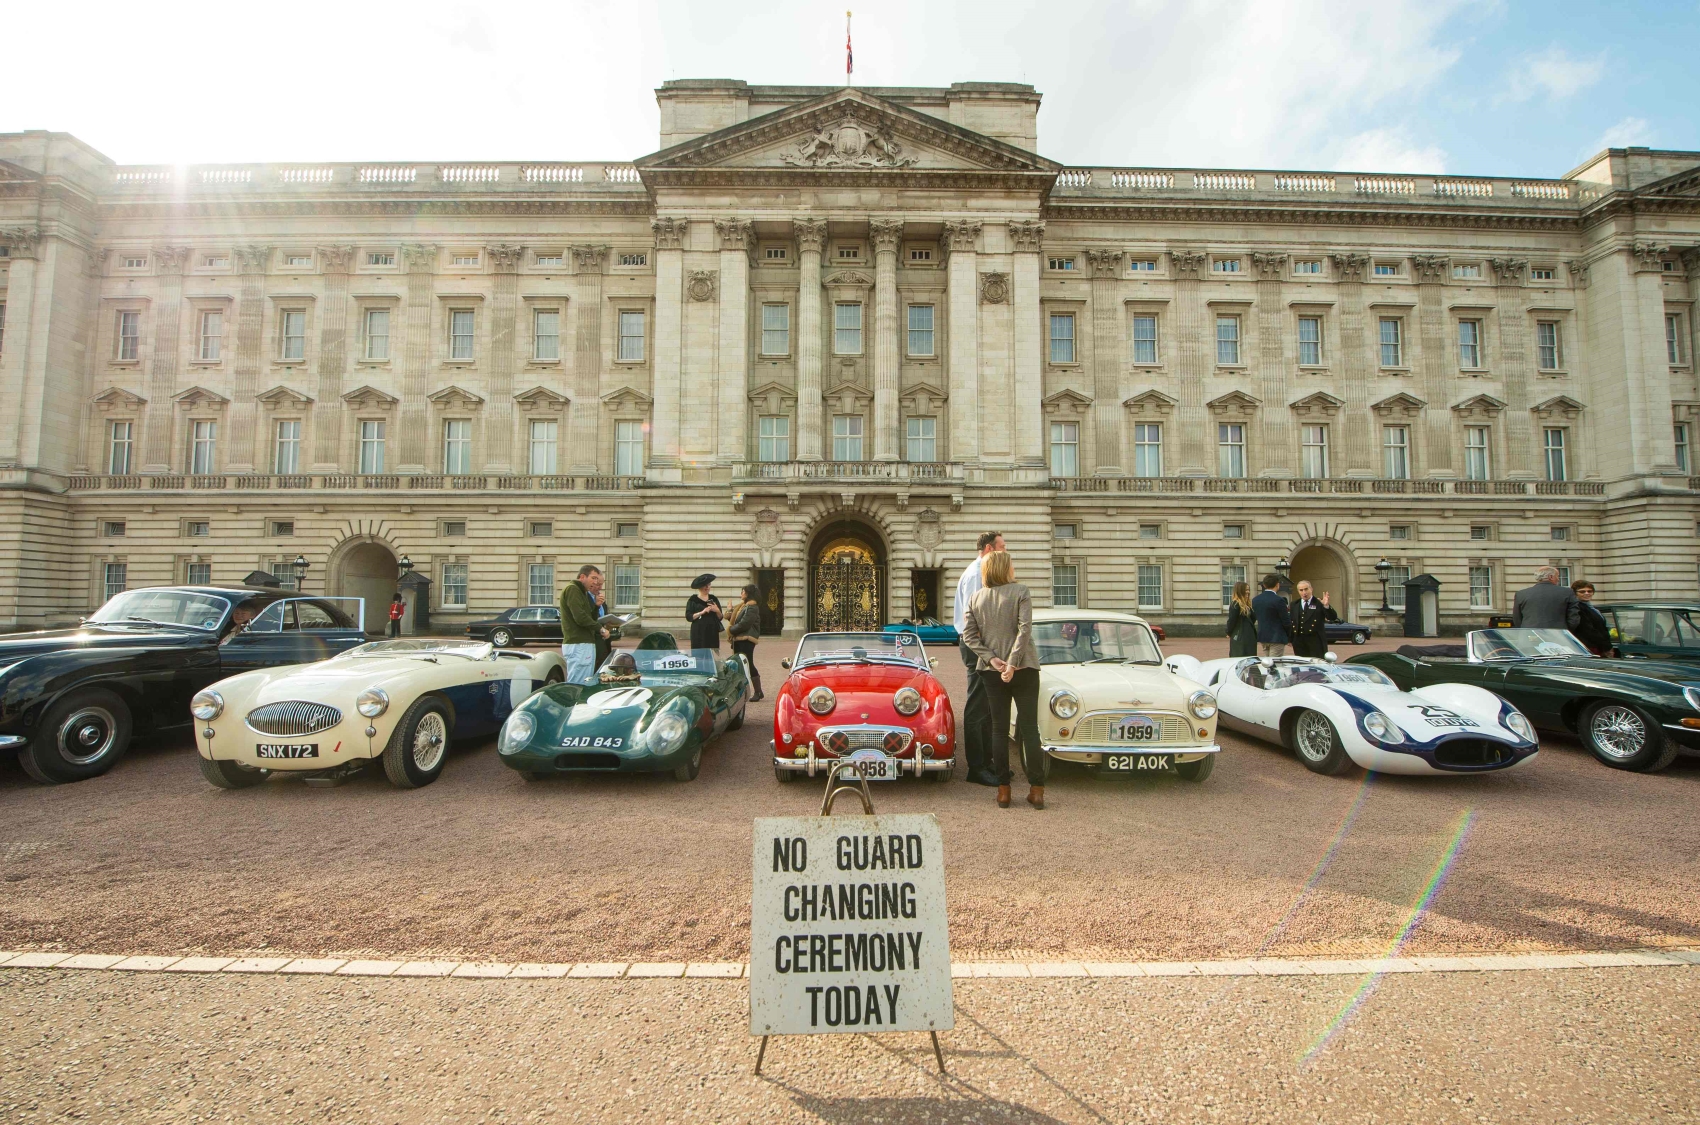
745,631
1592,629
704,614
1242,627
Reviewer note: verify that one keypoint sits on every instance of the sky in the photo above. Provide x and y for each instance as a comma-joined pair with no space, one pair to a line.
1472,87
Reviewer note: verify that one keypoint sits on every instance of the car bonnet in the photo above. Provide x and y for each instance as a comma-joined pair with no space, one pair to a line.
1100,685
329,680
1421,720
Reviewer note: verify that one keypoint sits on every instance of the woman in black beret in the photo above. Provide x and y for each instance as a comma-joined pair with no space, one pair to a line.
704,614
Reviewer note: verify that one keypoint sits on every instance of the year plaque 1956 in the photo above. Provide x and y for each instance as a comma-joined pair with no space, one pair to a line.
847,926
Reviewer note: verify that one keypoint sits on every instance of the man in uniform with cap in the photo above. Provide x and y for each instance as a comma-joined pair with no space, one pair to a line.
704,614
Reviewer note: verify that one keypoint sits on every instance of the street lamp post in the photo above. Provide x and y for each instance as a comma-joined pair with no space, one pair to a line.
299,566
1382,569
1282,568
406,565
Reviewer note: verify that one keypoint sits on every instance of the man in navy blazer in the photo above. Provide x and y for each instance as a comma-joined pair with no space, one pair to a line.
1274,618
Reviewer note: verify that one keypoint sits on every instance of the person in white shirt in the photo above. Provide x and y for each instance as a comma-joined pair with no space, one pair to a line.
977,709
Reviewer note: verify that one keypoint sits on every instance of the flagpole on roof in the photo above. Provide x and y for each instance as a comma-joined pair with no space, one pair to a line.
849,56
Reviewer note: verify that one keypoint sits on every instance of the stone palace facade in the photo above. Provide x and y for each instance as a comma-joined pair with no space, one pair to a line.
819,340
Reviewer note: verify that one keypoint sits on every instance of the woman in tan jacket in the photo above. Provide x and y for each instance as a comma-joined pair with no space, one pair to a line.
998,628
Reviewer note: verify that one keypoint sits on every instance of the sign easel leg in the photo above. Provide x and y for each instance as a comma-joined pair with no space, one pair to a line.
763,1051
937,1054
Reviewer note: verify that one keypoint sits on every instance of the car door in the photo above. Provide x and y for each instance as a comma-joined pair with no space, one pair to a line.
523,623
1244,703
549,623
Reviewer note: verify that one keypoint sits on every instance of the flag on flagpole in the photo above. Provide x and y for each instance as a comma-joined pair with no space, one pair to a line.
849,56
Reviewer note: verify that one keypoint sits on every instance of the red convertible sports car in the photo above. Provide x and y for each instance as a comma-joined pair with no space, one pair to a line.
868,697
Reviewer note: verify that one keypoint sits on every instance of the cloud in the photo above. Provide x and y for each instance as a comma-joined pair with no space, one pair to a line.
1553,72
1387,150
1629,131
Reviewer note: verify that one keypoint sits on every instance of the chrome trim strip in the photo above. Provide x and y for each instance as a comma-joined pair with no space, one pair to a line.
7,741
1213,748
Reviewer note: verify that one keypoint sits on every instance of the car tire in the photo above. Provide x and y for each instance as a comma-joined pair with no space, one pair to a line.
690,767
419,746
502,638
1317,744
81,736
786,776
555,676
232,775
1625,737
1197,771
736,722
1360,638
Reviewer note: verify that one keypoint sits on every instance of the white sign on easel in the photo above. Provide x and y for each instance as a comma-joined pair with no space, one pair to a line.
847,927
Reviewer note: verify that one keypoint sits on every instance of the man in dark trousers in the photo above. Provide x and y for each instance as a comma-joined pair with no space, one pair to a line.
975,735
1310,616
1274,619
1546,604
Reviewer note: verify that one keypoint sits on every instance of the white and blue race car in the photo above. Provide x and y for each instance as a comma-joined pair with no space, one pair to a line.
1336,715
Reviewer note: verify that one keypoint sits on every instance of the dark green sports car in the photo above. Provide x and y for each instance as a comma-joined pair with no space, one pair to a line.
1632,714
653,710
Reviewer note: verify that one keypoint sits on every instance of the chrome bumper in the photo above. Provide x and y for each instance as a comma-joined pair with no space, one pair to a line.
1100,751
814,766
7,741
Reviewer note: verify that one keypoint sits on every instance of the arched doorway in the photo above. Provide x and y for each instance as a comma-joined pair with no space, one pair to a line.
368,570
846,579
1327,572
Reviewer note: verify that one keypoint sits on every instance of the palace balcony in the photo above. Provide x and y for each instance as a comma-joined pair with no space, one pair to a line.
839,472
1343,486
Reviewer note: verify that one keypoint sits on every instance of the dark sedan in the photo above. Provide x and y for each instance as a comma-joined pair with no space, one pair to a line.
71,699
522,625
1348,631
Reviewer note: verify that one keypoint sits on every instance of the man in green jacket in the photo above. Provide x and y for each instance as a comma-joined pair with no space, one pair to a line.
579,631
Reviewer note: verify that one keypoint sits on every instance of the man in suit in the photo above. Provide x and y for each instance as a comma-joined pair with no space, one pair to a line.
1274,618
1310,616
1546,604
976,728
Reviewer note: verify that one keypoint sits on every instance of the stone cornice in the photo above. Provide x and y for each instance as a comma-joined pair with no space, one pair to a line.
1301,214
637,205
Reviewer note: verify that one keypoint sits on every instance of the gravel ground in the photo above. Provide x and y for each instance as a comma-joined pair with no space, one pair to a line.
1583,1046
1563,854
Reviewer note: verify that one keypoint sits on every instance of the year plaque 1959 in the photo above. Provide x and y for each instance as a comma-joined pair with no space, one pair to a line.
847,926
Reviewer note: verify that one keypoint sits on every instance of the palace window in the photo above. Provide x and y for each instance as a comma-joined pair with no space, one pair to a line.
551,261
540,584
1469,272
1559,533
282,528
921,330
1230,449
922,439
460,333
1557,462
850,253
1225,265
1399,531
920,253
465,260
1062,337
631,337
377,333
120,444
197,529
1481,531
625,531
546,334
294,334
775,254
2,327
628,449
1469,344
1396,452
1065,531
130,335
216,262
197,574
1313,451
1564,576
203,447
1541,274
284,572
626,587
1151,531
544,460
1310,340
1148,449
1387,269
302,261
635,259
773,437
286,447
1231,577
1673,337
1145,339
1396,578
1477,465
1233,531
112,529
454,529
1547,353
1481,587
381,258
457,447
1142,265
1150,586
1065,449
847,328
113,579
1061,263
776,330
1682,447
1227,340
1392,342
371,447
846,437
212,334
1307,267
135,263
454,585
1065,585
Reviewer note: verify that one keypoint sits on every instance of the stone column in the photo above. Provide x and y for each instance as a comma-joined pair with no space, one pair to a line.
247,361
1360,367
963,366
1434,378
1107,361
734,367
333,364
507,338
414,413
886,235
667,362
1277,445
811,237
1026,237
585,415
1194,351
162,378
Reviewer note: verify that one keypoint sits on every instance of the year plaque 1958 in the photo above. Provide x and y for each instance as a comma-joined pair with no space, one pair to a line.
847,926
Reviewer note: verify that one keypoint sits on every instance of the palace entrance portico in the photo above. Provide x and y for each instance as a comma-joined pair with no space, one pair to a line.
847,574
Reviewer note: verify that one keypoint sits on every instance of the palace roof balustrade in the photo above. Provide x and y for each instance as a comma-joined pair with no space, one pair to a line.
1348,486
433,482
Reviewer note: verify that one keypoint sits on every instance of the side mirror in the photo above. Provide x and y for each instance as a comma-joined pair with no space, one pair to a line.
932,662
1331,657
785,664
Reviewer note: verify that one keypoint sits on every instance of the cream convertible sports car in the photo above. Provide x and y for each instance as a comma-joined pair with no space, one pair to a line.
400,701
1105,698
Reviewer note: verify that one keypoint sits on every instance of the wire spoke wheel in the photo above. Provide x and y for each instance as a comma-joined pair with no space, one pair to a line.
430,742
1314,735
1618,731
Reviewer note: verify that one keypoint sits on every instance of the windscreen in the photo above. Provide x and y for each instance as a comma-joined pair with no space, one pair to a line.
1524,644
860,648
472,651
659,662
1335,675
168,607
1078,642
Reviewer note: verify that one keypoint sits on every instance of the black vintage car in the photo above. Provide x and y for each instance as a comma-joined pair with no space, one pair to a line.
71,699
1348,631
526,624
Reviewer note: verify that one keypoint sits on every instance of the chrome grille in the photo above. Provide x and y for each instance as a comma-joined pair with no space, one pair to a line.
292,717
1095,728
866,738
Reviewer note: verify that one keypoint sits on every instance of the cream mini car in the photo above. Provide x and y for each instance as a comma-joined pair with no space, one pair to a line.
1106,699
400,701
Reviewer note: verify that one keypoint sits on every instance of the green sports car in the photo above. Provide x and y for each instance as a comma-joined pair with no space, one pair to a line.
652,710
1631,714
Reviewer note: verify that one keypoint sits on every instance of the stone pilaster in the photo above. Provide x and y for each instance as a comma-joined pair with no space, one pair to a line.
1195,357
1512,362
959,241
247,359
157,453
1277,445
734,367
668,362
1430,271
414,413
585,410
507,355
1108,361
333,365
811,237
15,359
1650,435
1360,364
886,235
1026,239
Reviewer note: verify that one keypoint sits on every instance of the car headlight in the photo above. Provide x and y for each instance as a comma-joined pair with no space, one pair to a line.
907,701
516,732
1520,726
1202,705
1065,704
1381,728
207,705
822,701
667,732
1692,694
372,702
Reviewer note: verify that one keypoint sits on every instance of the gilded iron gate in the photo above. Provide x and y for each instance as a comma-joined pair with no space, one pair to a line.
847,597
